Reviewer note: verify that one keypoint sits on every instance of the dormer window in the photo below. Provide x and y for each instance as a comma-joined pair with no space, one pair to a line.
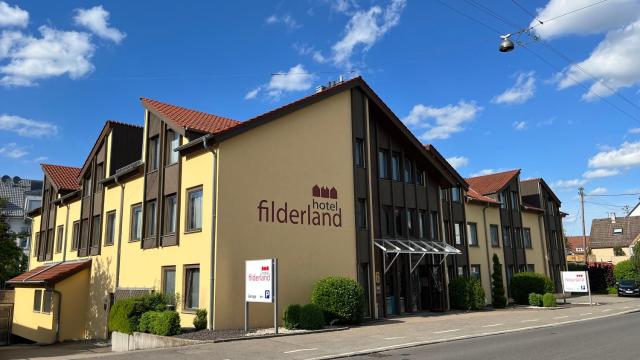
617,231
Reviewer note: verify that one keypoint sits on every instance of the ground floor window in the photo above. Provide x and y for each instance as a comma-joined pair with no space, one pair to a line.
363,279
474,271
37,300
531,268
42,301
192,287
462,271
169,280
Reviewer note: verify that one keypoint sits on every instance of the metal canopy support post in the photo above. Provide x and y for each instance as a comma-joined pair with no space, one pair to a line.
413,267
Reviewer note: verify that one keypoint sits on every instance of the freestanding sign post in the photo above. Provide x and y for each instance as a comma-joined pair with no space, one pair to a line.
261,285
576,281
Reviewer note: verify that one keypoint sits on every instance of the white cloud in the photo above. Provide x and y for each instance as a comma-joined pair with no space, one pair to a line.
252,94
485,172
12,16
96,20
55,53
440,123
523,90
458,161
342,6
596,19
13,151
600,173
566,184
520,125
40,159
306,49
598,191
627,155
286,20
613,64
634,131
571,218
296,79
27,127
365,28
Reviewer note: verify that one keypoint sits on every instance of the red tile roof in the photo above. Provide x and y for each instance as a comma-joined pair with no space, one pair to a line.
187,118
576,242
492,183
51,273
63,177
474,195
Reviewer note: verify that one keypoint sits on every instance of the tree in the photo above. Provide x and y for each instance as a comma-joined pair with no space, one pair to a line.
624,270
12,260
498,299
635,258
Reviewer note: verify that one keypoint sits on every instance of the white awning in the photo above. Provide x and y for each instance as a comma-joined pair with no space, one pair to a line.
411,247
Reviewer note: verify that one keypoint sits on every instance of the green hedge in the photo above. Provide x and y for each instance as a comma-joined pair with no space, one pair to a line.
311,317
340,298
535,299
125,314
200,321
291,319
525,283
625,270
466,294
167,323
549,300
147,322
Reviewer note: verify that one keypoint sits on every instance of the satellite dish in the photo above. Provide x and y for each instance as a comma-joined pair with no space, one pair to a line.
506,44
6,178
16,179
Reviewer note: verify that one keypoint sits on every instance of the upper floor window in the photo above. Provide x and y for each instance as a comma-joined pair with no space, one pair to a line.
514,200
359,152
387,221
433,225
455,194
151,217
472,229
395,166
617,231
194,209
110,228
361,214
408,171
411,228
383,164
420,177
96,231
99,176
495,236
422,224
154,152
506,236
517,237
173,141
457,227
397,216
527,237
60,238
503,200
136,222
86,184
170,214
444,193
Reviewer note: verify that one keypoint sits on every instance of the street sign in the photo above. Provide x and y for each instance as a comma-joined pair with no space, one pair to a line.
259,281
576,281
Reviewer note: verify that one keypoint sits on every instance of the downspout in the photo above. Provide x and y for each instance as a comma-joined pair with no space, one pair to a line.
487,244
545,256
59,302
119,230
213,231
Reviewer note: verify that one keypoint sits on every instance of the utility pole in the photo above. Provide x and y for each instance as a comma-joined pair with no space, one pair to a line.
584,231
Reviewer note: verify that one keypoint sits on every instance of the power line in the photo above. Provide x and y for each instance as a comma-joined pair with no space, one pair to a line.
571,12
623,194
527,12
607,205
470,17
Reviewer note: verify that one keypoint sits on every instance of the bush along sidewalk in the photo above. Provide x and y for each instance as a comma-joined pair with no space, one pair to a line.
307,317
341,299
144,314
535,299
525,283
549,300
466,294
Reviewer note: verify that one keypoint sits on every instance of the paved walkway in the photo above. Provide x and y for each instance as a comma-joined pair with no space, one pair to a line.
389,334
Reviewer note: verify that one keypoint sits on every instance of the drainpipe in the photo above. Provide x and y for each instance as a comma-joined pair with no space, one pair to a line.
545,258
487,244
119,231
213,231
58,305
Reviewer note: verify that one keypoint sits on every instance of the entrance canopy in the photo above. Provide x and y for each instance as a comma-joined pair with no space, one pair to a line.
412,247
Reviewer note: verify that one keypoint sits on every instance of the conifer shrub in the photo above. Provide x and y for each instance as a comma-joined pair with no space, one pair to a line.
200,321
498,299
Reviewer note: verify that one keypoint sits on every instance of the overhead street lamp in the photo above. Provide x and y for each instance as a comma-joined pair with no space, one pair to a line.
506,44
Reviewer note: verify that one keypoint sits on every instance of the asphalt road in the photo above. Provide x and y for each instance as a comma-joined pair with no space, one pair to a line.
609,338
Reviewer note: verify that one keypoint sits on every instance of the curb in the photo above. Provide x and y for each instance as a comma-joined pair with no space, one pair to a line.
463,337
267,336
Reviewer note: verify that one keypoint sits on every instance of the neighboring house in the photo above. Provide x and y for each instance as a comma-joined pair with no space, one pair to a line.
22,196
635,211
575,251
611,239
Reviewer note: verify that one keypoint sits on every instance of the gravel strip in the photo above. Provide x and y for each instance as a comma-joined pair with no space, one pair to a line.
204,335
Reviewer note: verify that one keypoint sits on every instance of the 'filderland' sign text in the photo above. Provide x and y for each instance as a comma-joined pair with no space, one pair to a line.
323,210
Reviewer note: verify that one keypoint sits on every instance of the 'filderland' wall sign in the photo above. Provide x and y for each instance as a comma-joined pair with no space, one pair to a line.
323,210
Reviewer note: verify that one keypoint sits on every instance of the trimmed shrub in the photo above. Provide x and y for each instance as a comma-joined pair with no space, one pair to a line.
311,317
498,300
601,277
167,323
612,290
624,270
340,298
156,301
125,315
525,283
535,299
291,317
466,294
549,300
200,321
576,267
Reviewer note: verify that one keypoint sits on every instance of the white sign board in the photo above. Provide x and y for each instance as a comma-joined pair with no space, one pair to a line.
259,281
575,281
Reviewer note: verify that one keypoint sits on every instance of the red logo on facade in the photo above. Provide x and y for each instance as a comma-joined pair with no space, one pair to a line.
265,268
324,192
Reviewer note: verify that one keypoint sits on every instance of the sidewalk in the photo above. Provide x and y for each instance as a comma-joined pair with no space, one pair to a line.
390,334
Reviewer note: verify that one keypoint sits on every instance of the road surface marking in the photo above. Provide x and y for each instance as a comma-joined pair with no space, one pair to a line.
560,317
395,337
299,350
606,310
627,307
531,320
492,325
445,331
585,314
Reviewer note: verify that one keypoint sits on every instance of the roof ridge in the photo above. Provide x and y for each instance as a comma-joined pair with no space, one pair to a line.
148,100
118,122
495,173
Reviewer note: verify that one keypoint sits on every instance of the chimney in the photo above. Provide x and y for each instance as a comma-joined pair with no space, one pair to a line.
612,216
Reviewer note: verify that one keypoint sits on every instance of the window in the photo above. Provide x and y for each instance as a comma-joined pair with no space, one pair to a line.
46,301
408,171
136,222
154,150
422,224
96,231
420,177
170,214
433,225
455,194
359,152
37,245
383,164
361,214
169,280
503,200
194,209
462,271
75,235
527,238
60,238
446,232
531,268
495,237
110,228
411,229
99,176
472,230
444,194
192,287
514,200
617,231
517,237
86,185
506,236
173,141
395,166
37,300
397,216
474,271
151,217
458,233
387,221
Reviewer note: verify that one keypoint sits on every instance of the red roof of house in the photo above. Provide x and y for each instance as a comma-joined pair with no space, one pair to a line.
191,119
576,242
50,273
474,195
492,183
63,177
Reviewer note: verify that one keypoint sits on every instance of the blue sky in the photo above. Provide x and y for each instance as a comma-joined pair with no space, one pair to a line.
67,66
